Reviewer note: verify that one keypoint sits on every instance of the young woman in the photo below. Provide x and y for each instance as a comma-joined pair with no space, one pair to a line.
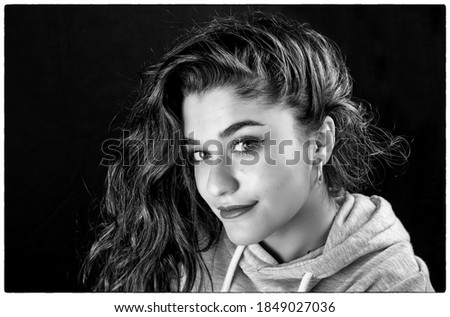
241,164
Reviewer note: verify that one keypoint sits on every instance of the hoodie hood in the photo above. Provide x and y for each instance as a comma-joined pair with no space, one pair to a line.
367,249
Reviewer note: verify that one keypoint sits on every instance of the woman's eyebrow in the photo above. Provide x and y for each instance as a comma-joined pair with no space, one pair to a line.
236,126
228,131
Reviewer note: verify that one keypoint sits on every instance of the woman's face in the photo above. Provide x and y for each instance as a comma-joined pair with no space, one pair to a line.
251,163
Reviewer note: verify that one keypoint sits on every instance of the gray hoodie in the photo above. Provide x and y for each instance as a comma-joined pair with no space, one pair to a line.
367,250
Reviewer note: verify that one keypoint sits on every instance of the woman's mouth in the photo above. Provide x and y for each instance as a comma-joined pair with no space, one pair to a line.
234,211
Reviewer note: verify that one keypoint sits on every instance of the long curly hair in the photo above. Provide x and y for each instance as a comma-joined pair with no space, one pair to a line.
155,223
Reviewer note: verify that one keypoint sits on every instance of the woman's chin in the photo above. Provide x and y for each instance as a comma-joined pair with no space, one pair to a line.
240,238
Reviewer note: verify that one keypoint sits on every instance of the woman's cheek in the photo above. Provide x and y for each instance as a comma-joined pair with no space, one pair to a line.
200,173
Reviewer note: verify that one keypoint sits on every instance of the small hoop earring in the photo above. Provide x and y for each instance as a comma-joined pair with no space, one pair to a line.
320,173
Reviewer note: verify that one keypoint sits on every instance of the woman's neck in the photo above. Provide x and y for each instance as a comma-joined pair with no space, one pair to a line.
306,231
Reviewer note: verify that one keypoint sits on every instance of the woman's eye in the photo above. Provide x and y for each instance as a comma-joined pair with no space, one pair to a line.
238,146
199,156
248,145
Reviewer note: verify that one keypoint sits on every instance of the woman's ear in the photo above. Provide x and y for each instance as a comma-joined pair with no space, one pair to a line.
325,140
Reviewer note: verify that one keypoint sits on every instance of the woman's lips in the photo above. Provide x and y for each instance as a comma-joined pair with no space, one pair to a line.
234,211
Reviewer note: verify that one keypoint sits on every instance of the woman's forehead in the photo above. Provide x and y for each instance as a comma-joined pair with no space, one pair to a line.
210,114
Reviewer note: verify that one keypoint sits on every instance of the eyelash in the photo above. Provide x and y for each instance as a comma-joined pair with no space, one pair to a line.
255,145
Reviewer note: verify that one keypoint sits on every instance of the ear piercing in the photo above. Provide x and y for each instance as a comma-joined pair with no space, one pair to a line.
320,173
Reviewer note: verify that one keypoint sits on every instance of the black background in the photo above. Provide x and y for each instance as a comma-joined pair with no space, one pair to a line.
71,69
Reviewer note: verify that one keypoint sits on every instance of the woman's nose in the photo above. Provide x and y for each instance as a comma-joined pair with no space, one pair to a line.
221,180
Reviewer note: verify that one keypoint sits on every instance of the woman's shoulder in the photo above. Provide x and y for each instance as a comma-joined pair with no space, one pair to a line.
372,243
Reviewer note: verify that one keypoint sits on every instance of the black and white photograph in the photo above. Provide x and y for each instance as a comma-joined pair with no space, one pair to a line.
211,148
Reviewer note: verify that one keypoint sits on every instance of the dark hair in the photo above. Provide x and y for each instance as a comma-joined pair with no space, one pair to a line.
156,223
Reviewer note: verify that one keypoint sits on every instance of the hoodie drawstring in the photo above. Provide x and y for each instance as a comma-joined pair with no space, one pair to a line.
234,262
305,281
232,268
